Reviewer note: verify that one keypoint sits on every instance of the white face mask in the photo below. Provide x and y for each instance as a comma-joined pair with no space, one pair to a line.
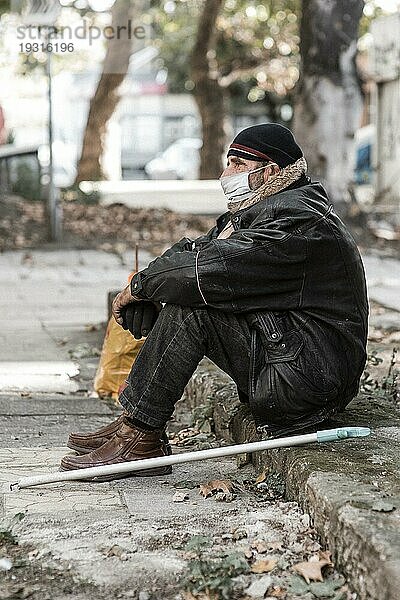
237,187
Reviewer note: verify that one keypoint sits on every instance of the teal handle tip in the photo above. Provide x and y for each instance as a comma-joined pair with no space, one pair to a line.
341,433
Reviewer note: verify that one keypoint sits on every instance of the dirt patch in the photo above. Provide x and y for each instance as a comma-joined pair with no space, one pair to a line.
26,575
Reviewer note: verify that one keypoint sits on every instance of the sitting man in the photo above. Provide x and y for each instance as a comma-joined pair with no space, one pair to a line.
274,294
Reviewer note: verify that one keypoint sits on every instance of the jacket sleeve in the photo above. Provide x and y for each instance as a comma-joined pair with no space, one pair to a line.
251,270
183,244
188,244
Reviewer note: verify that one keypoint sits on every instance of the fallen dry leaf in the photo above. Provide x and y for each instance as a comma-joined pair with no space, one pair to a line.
275,545
214,486
264,565
278,592
311,570
116,550
263,546
262,476
179,437
260,546
239,533
325,555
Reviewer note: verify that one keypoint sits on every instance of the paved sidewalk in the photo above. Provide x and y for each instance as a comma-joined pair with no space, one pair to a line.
383,275
46,300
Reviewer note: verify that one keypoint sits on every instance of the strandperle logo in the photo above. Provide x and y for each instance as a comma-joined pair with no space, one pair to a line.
85,30
38,23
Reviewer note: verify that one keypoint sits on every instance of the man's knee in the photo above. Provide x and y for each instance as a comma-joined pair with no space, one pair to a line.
207,319
177,315
183,313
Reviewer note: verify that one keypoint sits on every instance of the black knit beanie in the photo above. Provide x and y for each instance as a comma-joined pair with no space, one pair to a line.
268,141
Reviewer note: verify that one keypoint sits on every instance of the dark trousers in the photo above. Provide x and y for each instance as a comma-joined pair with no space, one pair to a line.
180,338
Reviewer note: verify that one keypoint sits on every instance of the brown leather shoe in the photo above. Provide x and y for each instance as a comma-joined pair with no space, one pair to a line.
83,443
128,443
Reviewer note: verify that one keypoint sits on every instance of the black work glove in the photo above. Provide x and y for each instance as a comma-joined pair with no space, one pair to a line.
139,317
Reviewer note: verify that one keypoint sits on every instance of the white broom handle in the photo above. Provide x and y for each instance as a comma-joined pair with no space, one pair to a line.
176,459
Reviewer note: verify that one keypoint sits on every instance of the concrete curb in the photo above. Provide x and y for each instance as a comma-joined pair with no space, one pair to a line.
351,489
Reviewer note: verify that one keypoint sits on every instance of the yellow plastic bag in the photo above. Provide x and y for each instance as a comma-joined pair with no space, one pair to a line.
118,354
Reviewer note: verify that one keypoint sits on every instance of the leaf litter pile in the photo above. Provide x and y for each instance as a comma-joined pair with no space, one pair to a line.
22,225
114,228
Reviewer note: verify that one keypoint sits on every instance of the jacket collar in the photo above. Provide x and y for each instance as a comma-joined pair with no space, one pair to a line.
267,207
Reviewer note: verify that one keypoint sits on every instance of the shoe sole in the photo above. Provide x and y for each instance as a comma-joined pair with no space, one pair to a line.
82,450
143,473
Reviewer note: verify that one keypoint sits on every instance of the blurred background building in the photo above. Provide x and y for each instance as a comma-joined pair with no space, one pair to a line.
204,70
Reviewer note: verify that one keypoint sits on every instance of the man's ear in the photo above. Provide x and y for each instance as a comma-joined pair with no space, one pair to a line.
271,170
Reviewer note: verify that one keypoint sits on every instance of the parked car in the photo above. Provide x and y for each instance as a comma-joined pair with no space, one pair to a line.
181,160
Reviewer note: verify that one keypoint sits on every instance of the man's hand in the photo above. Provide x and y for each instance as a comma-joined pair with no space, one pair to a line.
123,299
140,317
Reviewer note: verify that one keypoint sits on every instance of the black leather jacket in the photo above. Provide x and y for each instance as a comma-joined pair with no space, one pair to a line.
293,268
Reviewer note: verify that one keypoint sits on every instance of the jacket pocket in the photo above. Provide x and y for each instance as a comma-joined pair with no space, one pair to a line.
285,350
289,381
279,345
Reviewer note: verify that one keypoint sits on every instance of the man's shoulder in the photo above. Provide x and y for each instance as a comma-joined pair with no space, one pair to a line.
302,204
309,198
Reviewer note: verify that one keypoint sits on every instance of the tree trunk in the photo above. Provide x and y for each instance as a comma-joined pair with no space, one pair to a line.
329,101
209,95
106,97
